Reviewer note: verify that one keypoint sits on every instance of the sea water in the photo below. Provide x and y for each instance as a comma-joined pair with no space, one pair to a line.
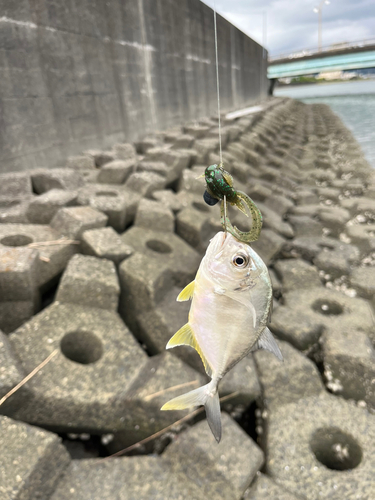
353,102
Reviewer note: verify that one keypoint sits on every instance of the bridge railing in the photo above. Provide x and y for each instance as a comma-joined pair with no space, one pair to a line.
327,48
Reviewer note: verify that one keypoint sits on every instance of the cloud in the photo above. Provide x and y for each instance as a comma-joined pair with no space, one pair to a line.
292,25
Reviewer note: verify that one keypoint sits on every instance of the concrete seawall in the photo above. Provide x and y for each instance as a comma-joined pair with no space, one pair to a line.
77,75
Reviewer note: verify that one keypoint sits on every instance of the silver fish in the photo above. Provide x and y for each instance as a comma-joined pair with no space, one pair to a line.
231,305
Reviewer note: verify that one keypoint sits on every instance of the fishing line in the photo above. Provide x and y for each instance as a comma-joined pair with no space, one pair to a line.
218,112
225,215
217,83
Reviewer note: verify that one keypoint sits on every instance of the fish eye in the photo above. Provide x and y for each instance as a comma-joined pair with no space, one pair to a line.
240,260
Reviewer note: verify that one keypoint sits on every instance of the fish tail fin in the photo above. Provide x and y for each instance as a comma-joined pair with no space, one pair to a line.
206,395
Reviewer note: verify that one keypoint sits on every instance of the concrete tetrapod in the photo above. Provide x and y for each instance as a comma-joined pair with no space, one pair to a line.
161,261
129,478
31,461
321,447
83,388
221,470
308,312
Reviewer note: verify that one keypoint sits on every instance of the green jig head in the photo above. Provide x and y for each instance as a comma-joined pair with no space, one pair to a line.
219,184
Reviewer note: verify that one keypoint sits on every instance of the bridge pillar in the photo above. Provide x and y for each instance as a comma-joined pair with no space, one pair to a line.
272,85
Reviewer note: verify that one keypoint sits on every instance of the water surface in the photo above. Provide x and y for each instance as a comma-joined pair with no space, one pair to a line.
353,102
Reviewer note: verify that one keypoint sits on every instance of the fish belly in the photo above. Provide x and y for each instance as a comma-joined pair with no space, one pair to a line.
224,330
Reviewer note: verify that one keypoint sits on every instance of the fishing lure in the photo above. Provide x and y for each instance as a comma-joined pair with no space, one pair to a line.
219,186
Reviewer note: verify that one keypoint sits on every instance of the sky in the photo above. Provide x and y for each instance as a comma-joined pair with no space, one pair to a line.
292,25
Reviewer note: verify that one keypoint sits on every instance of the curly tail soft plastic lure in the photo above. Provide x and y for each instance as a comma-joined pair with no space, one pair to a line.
220,187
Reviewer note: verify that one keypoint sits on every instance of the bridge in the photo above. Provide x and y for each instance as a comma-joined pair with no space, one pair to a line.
356,55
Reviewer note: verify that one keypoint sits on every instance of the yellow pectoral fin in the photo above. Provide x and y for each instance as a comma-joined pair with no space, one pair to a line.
187,292
185,336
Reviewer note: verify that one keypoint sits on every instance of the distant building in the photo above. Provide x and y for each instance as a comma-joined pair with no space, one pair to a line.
337,75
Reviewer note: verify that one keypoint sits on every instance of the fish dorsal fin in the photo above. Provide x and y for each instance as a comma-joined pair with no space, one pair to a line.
228,179
266,341
187,292
185,336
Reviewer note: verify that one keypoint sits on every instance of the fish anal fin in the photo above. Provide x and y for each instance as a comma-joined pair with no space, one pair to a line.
187,292
185,336
267,341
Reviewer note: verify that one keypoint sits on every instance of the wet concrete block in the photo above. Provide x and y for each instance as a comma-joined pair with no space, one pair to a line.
296,274
19,293
269,245
189,181
56,256
337,262
15,313
158,167
276,283
155,326
308,312
349,364
145,183
272,220
116,172
306,197
363,236
163,378
14,210
264,488
105,243
310,210
10,370
83,389
15,185
116,201
177,159
197,223
131,478
83,162
183,141
313,444
160,262
91,282
74,221
154,215
204,147
282,383
334,218
241,381
124,151
279,204
222,470
309,247
149,142
243,172
258,192
168,198
197,131
56,178
305,226
18,271
44,207
32,461
362,279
